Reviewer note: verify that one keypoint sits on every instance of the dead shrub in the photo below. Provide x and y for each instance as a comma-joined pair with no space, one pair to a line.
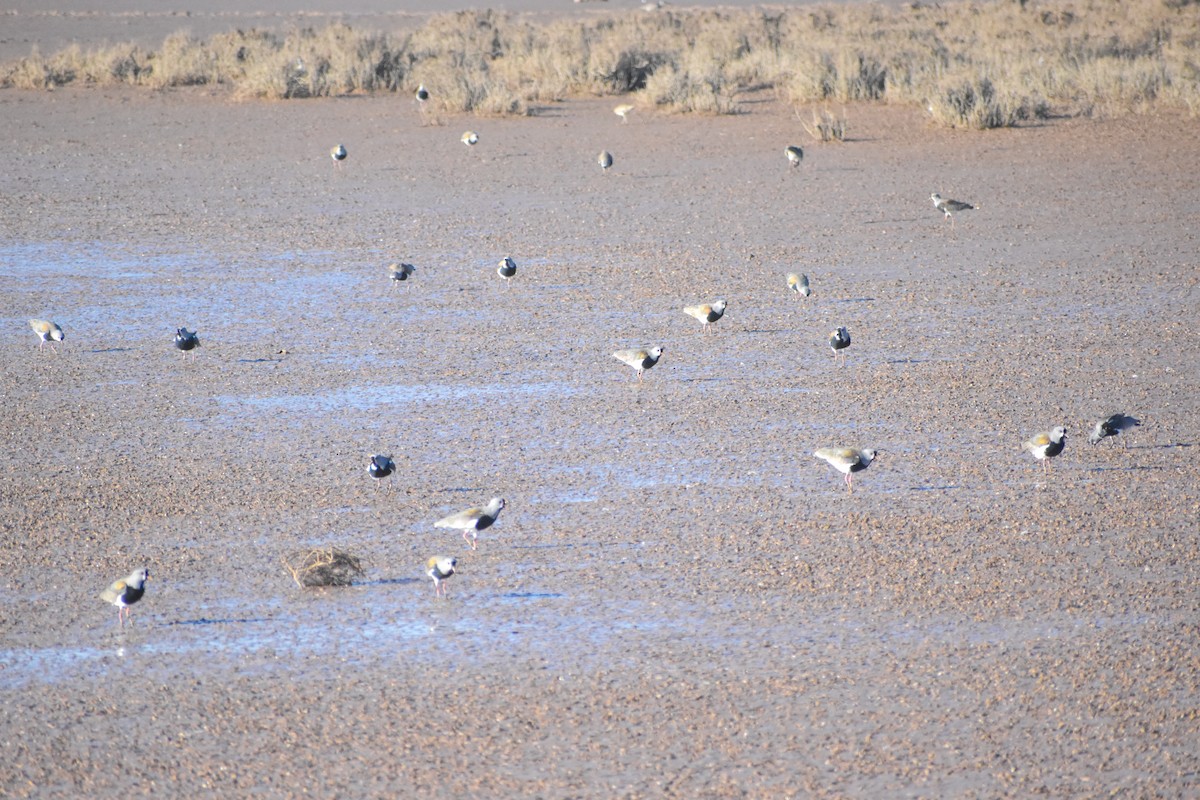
977,104
321,566
683,91
825,127
632,70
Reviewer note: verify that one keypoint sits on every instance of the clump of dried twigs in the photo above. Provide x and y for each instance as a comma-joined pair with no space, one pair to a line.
825,126
322,566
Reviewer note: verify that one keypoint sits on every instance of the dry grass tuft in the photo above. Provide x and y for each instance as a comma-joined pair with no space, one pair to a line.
977,104
972,64
825,127
322,567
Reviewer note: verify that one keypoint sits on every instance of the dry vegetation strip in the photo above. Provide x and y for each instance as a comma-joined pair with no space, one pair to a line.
971,64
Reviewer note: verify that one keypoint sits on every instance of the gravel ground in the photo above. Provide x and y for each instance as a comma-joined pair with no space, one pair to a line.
678,600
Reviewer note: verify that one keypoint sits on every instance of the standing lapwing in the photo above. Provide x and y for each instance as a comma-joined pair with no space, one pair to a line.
126,592
847,460
1047,445
640,359
947,207
839,340
473,520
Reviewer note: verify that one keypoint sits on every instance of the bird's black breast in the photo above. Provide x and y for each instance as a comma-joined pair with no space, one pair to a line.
186,341
484,522
132,595
1054,448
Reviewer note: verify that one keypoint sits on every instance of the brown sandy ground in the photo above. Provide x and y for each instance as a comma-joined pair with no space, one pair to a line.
679,601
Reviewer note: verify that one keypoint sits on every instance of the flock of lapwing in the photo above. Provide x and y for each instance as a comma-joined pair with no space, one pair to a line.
1044,446
470,522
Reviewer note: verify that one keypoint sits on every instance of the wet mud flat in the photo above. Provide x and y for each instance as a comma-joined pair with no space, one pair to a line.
678,599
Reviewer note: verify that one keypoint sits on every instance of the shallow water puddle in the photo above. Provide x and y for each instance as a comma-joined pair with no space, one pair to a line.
130,289
57,260
370,624
363,397
361,625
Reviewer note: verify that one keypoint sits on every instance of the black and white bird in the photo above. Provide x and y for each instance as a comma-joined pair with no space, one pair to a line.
422,93
126,592
507,268
947,207
400,272
847,460
839,340
794,154
381,466
47,332
186,340
1047,445
605,160
799,284
338,154
1111,426
470,138
439,568
707,313
640,359
473,520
